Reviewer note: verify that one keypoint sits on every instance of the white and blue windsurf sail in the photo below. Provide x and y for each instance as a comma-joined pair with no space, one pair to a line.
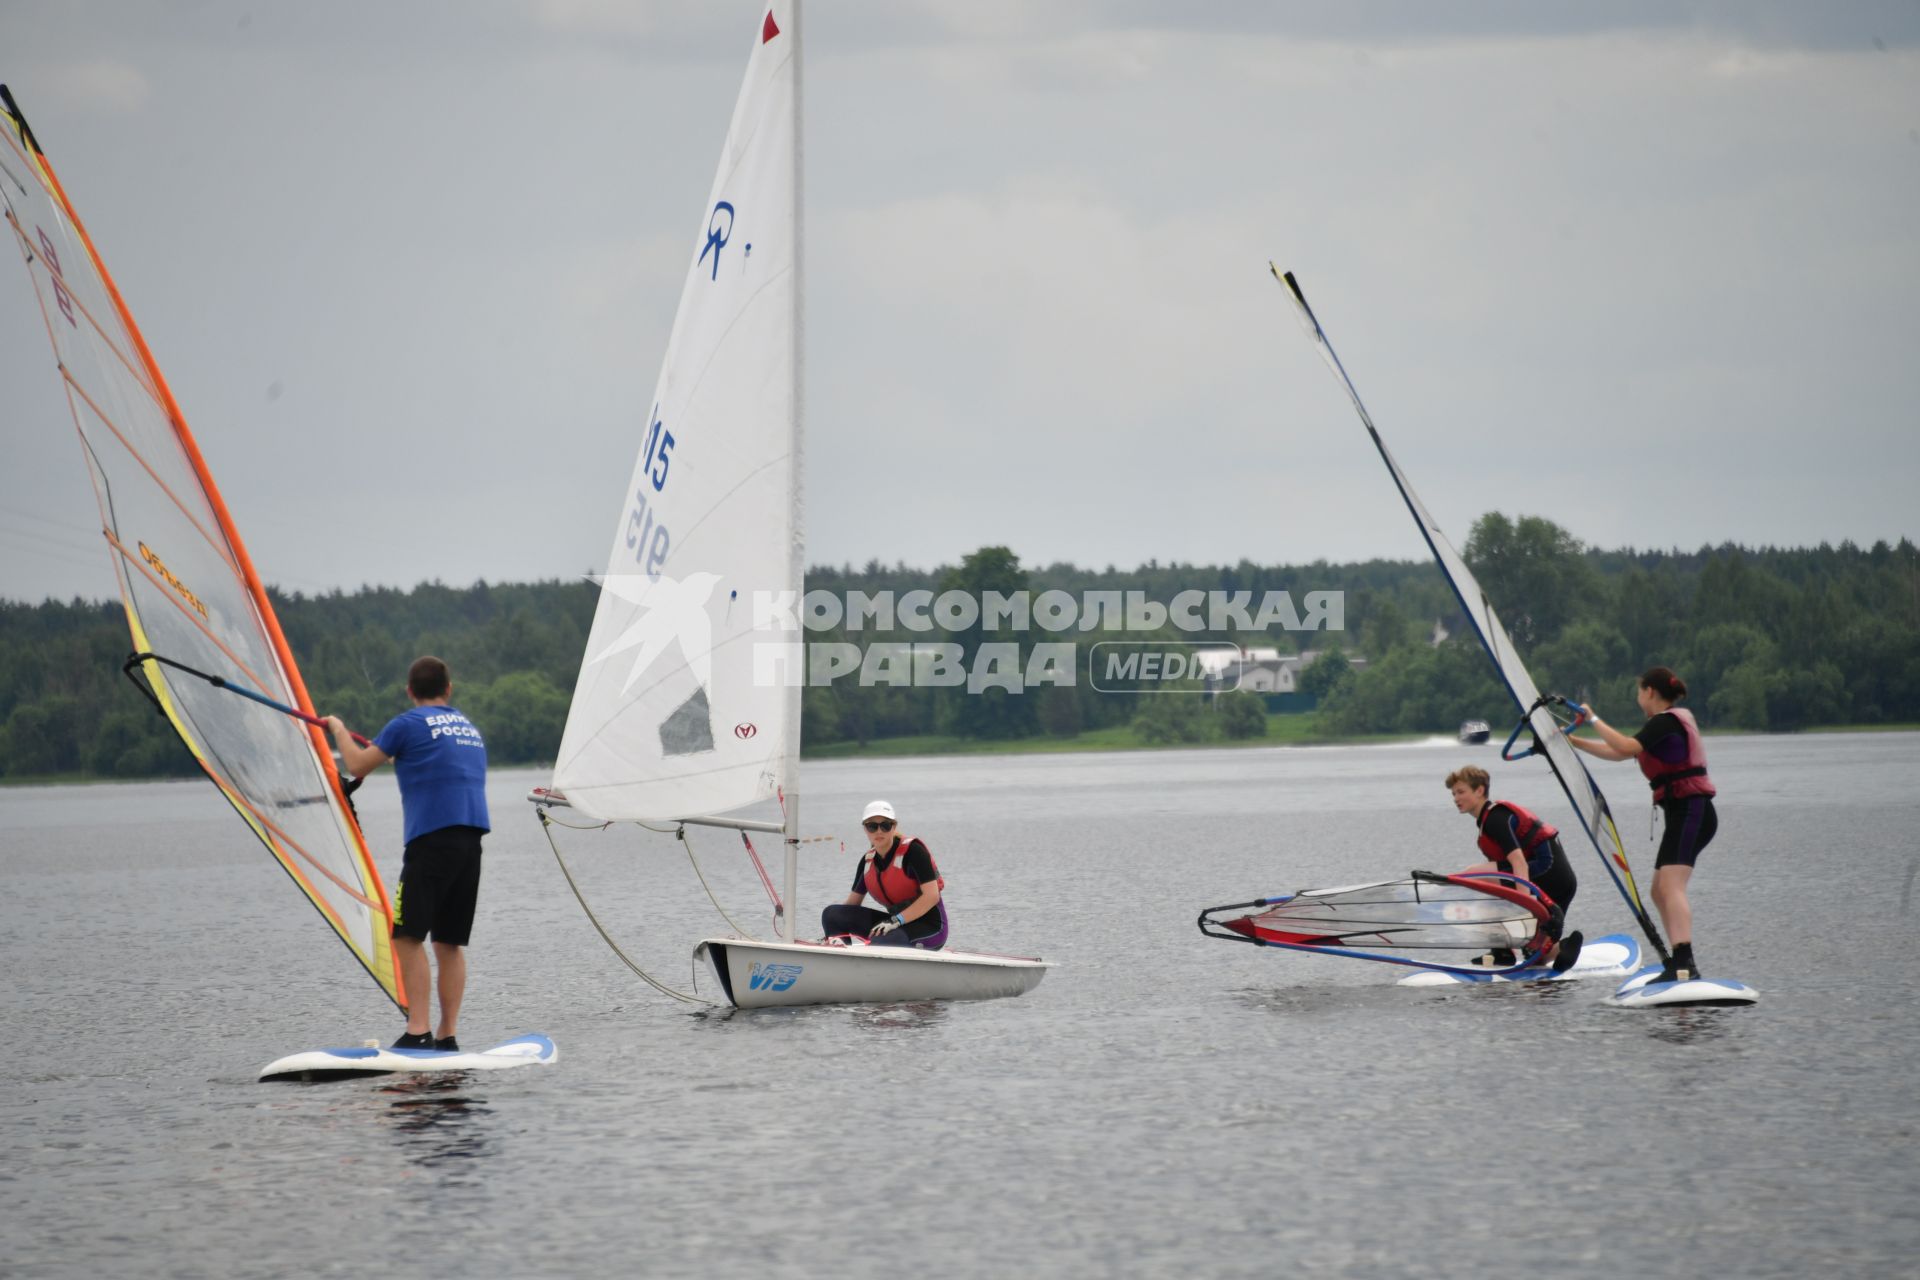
1588,803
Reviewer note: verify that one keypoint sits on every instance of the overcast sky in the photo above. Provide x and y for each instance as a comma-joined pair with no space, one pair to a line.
1652,270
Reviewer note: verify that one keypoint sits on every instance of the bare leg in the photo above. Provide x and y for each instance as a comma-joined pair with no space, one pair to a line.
453,986
1670,898
415,977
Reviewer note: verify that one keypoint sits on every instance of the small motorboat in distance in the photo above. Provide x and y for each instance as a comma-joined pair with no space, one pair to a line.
1474,732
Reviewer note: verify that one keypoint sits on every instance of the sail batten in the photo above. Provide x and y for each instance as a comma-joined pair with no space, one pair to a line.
190,590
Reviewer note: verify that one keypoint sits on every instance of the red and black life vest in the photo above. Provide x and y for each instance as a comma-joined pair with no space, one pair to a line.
890,885
1687,778
1533,832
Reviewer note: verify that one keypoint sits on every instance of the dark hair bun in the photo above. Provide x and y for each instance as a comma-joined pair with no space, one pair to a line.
1663,682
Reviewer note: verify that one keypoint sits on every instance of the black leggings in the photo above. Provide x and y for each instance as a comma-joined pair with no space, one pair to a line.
1560,884
1689,827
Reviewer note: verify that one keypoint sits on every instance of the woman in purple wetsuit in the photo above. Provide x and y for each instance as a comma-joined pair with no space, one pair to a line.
1669,753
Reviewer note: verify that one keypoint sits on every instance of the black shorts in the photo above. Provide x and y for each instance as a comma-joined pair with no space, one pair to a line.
439,886
1688,827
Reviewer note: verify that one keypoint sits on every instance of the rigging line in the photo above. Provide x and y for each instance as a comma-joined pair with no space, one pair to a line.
82,529
45,543
733,924
546,825
219,545
765,879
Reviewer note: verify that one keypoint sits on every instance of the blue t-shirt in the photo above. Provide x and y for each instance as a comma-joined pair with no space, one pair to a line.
440,760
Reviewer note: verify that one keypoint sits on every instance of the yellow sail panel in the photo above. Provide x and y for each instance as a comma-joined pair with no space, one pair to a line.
190,591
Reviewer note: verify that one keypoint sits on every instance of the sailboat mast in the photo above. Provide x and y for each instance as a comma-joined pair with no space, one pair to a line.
796,538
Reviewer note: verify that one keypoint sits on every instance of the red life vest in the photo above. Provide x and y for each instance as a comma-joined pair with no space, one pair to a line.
1532,832
891,886
1687,778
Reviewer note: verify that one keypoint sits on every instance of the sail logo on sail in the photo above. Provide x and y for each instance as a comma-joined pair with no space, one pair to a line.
60,295
717,236
745,731
670,612
773,977
172,579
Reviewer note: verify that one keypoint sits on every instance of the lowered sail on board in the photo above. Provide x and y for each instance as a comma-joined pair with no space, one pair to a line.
1588,803
191,594
1447,918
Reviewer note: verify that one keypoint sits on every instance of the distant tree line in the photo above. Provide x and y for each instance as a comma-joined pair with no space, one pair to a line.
1766,638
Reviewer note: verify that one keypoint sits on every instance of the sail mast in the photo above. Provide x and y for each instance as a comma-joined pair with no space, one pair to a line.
796,537
1589,805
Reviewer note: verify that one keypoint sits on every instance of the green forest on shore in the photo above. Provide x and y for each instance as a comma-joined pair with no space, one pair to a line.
1767,639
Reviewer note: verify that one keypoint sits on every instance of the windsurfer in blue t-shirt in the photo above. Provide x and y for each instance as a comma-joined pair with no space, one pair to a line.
440,761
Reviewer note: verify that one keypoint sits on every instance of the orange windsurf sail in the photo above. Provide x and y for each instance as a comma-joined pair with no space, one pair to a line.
191,593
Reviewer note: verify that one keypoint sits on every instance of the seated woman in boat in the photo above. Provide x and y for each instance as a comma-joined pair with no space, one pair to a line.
1669,753
898,873
1519,844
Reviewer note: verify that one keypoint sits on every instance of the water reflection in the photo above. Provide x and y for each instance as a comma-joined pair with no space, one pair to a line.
922,1015
434,1120
1323,999
1690,1025
907,1017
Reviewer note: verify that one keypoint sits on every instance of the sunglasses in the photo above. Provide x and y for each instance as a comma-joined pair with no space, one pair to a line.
879,824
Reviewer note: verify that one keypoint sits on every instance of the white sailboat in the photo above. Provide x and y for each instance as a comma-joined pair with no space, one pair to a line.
687,707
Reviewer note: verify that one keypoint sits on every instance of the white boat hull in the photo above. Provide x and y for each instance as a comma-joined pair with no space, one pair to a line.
766,975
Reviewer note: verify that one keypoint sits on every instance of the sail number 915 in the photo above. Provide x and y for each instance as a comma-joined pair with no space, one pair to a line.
647,537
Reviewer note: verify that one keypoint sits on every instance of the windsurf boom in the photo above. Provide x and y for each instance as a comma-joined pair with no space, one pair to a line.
1447,919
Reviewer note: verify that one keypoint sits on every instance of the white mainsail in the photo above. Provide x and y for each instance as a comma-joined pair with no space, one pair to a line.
1588,802
688,697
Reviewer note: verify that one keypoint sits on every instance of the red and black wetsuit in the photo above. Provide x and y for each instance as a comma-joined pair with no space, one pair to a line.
1675,764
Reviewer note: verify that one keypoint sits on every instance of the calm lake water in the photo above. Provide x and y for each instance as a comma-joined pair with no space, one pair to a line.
1161,1104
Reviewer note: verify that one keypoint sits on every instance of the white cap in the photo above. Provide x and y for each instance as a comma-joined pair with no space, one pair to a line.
878,809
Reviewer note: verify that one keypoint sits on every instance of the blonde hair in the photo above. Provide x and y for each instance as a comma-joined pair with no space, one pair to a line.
1476,778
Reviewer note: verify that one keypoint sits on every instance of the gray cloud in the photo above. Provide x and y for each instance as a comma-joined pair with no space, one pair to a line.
410,271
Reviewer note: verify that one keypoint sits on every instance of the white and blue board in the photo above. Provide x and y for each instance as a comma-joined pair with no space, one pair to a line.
1642,992
373,1060
1606,957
